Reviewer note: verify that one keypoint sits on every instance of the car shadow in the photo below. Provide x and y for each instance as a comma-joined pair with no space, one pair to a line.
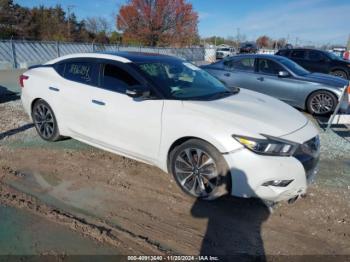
6,95
15,131
234,227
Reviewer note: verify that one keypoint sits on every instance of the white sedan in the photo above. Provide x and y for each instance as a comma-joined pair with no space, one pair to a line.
166,112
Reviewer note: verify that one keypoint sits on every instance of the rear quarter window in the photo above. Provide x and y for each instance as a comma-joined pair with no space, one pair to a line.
60,68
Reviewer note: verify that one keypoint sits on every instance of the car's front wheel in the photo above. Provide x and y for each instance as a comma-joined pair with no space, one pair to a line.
45,121
200,170
321,103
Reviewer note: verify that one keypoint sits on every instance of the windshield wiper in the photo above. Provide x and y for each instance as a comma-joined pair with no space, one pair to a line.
222,94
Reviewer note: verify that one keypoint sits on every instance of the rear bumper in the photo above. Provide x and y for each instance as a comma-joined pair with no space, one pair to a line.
26,102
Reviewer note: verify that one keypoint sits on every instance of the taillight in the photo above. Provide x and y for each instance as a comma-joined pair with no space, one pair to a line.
21,80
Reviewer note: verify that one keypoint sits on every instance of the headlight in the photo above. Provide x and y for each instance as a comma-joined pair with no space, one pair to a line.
269,146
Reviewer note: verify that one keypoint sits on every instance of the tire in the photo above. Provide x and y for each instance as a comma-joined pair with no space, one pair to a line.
208,182
45,121
321,103
339,73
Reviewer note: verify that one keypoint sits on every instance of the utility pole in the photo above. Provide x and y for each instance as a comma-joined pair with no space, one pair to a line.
69,8
238,38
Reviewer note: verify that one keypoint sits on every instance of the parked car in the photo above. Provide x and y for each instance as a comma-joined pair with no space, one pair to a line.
223,52
169,113
318,61
281,78
248,48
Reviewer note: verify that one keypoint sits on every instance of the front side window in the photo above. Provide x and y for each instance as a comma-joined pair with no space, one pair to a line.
268,66
82,72
116,79
244,64
183,80
292,66
315,56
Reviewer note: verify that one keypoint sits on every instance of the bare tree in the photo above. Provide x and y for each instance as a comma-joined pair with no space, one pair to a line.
96,25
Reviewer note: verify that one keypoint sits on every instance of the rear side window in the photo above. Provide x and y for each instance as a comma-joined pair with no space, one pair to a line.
300,54
82,72
116,79
245,64
283,52
268,66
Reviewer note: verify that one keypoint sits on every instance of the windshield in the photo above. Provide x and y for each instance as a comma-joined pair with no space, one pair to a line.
223,49
183,80
333,56
294,67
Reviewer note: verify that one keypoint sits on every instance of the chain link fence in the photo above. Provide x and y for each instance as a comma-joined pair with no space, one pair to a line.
21,54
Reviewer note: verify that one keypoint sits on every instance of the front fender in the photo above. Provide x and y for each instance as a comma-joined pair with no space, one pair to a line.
178,123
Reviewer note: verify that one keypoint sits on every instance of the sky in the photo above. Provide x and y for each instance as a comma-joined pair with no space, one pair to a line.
308,22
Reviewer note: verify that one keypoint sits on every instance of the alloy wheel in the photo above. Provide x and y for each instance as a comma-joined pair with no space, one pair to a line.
339,74
196,172
44,120
322,103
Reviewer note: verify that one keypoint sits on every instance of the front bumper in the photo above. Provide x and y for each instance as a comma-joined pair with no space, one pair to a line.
249,171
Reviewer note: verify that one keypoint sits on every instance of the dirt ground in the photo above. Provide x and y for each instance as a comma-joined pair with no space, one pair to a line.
137,209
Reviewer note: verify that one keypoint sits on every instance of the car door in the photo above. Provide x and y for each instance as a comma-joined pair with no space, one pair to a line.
129,126
76,87
238,72
317,62
270,83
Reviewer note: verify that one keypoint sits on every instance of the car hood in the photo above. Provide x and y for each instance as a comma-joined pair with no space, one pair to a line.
326,79
251,113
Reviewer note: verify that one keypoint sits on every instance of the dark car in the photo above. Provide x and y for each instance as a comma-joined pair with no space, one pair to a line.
248,48
282,78
318,61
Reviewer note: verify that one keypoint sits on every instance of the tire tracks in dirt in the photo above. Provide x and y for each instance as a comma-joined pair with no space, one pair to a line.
123,239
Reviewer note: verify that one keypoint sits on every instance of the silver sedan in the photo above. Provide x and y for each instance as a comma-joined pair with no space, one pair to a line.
282,78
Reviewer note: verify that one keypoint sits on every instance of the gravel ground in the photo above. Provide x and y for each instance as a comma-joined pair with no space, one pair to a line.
138,209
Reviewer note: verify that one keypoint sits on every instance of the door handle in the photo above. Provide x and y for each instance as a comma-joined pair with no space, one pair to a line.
54,89
100,103
260,78
227,74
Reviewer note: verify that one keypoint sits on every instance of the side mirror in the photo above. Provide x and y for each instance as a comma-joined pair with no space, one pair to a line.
283,74
138,91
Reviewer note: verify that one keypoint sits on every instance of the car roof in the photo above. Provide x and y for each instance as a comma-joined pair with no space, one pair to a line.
124,57
301,49
254,56
140,57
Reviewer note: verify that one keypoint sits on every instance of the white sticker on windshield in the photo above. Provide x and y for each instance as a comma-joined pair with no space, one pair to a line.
190,66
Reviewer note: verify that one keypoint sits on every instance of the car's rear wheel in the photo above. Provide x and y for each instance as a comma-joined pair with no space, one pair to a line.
45,121
200,170
339,73
321,103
